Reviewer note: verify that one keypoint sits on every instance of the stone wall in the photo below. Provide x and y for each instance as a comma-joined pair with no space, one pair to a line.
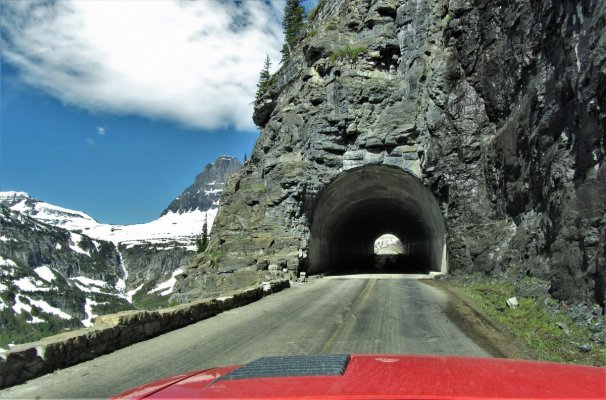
497,108
115,331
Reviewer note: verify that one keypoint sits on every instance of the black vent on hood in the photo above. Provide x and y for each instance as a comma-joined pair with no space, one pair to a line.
284,366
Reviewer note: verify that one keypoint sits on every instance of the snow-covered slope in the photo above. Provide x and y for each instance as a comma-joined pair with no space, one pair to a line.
172,229
51,278
179,225
48,213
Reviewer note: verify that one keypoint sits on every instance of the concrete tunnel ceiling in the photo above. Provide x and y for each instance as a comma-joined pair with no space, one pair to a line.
364,203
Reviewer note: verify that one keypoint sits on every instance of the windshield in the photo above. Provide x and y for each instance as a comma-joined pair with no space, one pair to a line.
201,184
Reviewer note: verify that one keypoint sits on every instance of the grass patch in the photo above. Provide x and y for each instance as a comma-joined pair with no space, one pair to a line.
215,256
552,334
152,303
347,53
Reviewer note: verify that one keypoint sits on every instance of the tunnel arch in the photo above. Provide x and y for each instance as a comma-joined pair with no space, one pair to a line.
362,204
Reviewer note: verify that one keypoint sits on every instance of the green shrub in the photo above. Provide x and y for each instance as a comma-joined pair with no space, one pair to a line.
447,19
215,256
348,53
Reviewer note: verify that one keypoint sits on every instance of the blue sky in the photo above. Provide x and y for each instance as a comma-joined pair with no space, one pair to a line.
112,108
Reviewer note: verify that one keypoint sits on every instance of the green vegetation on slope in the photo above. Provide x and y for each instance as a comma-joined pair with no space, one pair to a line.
347,53
554,330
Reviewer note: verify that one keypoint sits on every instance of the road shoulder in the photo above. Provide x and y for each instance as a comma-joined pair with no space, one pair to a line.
488,334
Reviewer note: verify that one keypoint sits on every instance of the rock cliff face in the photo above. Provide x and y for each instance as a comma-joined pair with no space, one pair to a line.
207,188
472,130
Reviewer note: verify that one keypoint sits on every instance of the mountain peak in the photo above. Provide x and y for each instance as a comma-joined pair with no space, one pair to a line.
45,212
207,188
13,197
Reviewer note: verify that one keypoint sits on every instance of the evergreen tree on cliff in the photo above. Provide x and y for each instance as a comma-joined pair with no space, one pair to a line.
293,24
263,80
202,241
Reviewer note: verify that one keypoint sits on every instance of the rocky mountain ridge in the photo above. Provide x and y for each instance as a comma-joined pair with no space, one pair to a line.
205,192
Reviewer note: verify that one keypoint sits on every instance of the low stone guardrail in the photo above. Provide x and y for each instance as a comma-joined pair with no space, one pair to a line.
115,331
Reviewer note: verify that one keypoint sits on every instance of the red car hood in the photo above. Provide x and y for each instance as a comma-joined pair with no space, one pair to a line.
382,377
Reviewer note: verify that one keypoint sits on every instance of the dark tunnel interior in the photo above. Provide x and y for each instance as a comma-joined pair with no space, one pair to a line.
361,205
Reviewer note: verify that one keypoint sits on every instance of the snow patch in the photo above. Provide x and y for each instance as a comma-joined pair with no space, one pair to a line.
167,286
58,246
9,264
213,191
88,309
35,320
75,239
90,282
45,273
20,207
85,289
12,194
47,308
21,306
88,285
131,293
29,284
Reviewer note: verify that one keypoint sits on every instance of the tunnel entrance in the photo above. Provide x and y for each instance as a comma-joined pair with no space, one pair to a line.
360,206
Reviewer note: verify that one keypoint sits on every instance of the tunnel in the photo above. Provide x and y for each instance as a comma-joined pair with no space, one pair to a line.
363,204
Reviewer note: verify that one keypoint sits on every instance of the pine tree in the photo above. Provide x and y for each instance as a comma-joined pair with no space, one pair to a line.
263,79
293,24
202,241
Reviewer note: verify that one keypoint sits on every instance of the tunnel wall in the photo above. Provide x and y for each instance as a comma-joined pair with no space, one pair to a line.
363,203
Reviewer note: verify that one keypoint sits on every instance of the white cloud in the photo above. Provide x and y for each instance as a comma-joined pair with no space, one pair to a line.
90,142
100,130
194,62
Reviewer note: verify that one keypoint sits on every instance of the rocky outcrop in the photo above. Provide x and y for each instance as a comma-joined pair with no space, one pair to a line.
207,188
497,108
151,263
